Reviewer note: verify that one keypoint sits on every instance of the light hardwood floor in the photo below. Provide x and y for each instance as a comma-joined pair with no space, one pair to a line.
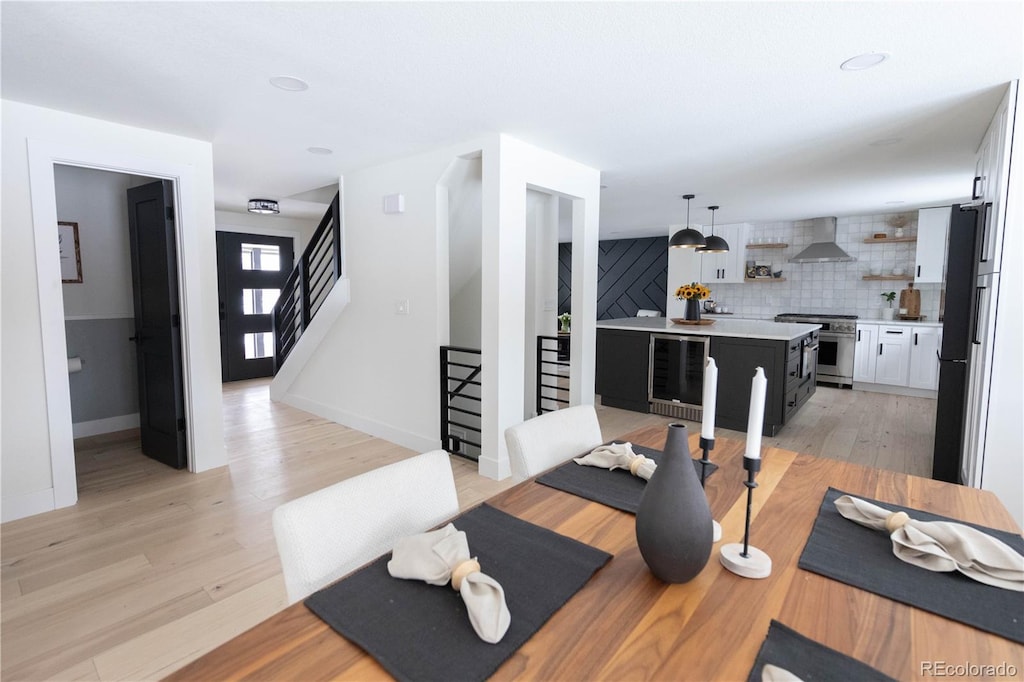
154,567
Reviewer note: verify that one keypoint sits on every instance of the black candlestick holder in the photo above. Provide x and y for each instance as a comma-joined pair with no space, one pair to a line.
706,446
742,559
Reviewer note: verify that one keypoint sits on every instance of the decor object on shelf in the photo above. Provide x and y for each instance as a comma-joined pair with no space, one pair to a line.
887,313
898,222
564,320
264,206
673,522
742,559
880,235
713,244
687,238
70,253
910,303
692,294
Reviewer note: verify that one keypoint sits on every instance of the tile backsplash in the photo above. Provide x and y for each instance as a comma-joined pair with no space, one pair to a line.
836,288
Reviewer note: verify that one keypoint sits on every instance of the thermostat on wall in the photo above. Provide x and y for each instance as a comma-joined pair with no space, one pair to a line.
394,203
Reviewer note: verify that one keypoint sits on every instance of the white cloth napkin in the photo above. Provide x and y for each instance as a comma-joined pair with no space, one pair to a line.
941,546
439,555
619,456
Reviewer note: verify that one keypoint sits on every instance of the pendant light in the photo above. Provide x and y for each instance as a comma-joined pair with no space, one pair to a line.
714,244
687,238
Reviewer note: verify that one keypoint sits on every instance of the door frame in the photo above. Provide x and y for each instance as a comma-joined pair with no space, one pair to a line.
42,157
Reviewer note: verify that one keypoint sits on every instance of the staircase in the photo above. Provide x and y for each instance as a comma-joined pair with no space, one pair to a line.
309,285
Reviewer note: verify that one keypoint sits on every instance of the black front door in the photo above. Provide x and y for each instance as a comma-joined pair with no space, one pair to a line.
251,269
157,322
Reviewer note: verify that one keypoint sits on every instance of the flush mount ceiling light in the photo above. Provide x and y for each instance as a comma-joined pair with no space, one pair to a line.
289,83
264,206
864,61
319,150
713,244
687,238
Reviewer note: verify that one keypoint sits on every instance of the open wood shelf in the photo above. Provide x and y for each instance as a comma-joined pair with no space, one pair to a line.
908,278
767,246
872,240
764,279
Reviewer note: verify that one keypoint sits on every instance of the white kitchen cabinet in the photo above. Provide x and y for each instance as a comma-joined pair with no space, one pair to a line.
865,352
924,359
979,380
932,236
730,267
993,163
892,366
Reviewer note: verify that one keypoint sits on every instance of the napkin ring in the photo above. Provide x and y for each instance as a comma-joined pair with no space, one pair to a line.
460,572
895,521
635,465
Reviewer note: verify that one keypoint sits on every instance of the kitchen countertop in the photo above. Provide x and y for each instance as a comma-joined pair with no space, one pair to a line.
749,329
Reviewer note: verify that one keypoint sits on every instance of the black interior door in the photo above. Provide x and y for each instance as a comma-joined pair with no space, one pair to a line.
157,322
251,269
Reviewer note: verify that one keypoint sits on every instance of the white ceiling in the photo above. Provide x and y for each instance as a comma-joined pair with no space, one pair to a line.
742,104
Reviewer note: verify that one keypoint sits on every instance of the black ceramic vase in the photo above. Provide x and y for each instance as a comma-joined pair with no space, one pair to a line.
691,310
673,522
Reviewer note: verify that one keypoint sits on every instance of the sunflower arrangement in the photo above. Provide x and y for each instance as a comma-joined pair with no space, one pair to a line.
692,290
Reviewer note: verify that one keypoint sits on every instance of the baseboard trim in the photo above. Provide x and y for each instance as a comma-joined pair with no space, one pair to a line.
895,390
377,429
29,504
491,467
110,425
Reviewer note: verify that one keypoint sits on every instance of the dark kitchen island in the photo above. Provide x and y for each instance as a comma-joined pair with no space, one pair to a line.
638,368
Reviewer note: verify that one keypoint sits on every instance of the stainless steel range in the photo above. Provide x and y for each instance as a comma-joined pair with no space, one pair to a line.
837,341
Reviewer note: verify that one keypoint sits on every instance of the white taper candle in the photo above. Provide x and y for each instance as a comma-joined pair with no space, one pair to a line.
707,425
758,388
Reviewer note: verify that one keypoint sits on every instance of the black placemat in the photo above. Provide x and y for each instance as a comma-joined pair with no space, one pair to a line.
848,552
617,488
419,631
809,660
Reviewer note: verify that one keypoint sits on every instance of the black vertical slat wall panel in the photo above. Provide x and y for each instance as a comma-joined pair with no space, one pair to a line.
632,274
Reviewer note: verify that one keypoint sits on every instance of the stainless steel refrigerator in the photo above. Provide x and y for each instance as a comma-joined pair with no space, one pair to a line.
969,295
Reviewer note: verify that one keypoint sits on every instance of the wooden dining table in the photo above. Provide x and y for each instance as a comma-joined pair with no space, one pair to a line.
625,624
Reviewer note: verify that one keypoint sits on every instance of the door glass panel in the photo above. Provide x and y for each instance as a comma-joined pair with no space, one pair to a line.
259,301
261,257
259,345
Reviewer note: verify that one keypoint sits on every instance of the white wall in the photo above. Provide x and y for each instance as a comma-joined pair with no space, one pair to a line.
542,224
375,370
37,455
276,226
1003,469
464,182
516,167
96,200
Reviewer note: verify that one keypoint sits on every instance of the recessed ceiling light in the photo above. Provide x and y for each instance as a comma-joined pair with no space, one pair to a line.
289,83
893,203
265,206
887,141
864,61
319,150
605,187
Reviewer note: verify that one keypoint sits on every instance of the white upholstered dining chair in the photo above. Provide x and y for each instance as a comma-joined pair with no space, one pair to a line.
328,533
552,438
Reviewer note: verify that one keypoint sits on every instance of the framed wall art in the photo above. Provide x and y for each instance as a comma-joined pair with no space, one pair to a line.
70,253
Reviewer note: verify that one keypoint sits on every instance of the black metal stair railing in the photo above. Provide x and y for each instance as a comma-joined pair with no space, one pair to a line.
308,286
552,381
460,401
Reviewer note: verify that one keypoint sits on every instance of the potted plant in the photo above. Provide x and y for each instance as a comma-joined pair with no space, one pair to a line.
890,296
691,295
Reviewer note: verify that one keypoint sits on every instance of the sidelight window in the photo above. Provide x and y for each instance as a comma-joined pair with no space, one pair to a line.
261,257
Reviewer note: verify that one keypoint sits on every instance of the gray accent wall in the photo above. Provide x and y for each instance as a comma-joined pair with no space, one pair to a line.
107,386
